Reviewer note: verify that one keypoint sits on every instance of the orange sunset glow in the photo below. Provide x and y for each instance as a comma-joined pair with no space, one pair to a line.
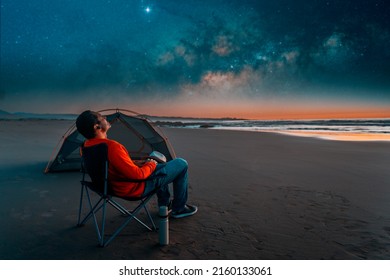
265,110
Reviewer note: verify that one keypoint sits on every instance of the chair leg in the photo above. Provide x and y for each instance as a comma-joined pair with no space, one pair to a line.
150,217
131,217
131,214
103,222
101,204
92,210
80,205
118,207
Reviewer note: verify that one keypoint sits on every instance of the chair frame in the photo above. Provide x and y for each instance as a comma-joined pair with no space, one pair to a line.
87,186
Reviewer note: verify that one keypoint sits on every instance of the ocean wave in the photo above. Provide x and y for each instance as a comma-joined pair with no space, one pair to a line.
350,125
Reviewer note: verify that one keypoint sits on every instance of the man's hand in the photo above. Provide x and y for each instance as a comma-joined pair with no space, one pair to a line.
152,160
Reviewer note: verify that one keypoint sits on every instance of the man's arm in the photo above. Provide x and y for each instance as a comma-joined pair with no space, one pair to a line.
124,167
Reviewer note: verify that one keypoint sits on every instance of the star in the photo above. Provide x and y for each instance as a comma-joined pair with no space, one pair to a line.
148,10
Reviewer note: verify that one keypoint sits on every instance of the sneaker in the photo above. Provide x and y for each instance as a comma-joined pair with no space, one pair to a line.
188,210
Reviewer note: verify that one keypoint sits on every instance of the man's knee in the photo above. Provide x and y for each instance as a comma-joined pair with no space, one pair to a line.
182,163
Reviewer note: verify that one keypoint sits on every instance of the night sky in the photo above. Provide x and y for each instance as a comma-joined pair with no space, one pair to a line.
195,58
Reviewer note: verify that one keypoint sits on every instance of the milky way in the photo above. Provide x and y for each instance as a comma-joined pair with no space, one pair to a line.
214,49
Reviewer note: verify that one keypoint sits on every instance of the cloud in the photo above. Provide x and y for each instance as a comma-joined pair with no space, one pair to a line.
223,86
224,45
334,53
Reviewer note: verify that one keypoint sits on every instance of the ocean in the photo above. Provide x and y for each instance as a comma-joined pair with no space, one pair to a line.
335,129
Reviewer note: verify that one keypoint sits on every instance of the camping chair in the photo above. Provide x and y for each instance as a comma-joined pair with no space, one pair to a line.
95,164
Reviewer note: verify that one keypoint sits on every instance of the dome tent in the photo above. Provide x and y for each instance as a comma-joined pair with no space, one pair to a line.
134,131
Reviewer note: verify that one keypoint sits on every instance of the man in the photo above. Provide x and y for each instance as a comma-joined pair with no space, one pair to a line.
93,126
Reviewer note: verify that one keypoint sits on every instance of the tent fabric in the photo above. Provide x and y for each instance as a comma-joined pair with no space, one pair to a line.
135,132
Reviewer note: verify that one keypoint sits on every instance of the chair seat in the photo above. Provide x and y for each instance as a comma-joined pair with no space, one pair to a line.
92,186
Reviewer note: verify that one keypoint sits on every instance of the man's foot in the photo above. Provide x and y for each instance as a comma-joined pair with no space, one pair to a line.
188,210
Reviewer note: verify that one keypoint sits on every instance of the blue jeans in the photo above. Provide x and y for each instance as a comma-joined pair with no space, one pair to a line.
176,172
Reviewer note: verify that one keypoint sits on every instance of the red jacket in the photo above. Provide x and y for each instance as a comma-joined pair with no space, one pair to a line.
121,167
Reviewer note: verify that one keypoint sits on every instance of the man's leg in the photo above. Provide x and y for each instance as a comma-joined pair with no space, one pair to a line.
177,173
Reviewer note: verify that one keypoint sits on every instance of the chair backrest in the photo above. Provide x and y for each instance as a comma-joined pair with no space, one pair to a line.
95,163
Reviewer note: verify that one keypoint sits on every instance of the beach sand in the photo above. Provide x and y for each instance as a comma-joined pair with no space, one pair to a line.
260,196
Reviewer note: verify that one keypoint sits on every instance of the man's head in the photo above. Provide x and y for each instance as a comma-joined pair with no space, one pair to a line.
88,123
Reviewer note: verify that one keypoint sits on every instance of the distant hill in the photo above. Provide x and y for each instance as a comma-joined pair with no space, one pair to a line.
4,113
24,115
